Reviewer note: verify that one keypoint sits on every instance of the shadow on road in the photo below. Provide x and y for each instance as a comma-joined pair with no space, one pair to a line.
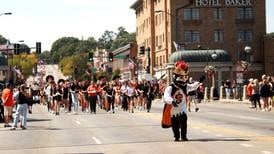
37,120
218,139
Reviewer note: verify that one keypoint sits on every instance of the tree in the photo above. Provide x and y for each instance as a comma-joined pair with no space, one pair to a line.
106,40
87,45
3,40
24,49
25,62
71,63
45,56
64,46
123,38
270,35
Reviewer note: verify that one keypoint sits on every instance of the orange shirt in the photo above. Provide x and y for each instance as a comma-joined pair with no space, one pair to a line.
92,90
249,90
7,97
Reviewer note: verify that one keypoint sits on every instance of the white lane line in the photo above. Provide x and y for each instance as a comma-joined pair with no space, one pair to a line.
266,152
97,140
219,135
205,131
78,122
239,116
246,145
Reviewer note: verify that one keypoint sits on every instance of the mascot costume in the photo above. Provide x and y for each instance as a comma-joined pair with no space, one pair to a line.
175,98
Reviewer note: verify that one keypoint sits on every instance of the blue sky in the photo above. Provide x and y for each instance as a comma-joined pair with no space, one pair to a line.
47,20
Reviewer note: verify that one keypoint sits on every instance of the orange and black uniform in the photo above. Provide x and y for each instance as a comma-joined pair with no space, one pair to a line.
92,95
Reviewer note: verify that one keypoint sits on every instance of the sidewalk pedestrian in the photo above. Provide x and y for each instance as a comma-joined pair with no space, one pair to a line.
22,108
7,99
227,89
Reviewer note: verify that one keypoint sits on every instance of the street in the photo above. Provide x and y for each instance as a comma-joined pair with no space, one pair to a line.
216,128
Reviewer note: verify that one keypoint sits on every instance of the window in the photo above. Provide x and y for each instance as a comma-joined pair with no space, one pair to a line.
245,13
156,20
191,14
218,13
192,36
245,35
160,60
218,36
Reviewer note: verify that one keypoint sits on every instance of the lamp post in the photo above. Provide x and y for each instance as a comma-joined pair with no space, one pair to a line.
248,50
8,76
244,63
6,13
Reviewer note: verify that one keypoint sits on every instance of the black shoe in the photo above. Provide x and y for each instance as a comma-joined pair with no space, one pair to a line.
7,125
176,140
13,128
23,127
196,109
30,112
184,139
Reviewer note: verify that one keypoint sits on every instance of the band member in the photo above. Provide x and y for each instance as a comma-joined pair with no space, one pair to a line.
176,94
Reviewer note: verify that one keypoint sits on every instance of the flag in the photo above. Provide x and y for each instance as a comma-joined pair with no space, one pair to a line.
176,46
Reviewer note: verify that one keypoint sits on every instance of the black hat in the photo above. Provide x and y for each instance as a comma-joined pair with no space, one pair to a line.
48,77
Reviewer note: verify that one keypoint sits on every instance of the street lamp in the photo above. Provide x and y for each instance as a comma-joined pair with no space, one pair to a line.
6,13
247,49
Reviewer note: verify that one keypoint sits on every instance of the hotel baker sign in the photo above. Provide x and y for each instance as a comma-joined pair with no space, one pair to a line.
223,3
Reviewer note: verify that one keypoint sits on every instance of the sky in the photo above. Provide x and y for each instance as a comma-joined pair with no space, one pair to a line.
46,21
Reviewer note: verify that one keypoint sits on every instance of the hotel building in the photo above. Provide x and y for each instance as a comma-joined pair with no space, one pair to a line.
224,27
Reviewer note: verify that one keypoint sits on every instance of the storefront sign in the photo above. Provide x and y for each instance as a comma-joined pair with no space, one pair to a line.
223,3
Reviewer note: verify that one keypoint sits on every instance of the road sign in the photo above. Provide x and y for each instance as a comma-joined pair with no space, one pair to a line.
120,56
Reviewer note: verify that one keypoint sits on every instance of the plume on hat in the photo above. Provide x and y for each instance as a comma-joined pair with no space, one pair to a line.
181,68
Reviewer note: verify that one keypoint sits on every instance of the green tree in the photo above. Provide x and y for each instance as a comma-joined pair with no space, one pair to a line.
24,49
64,46
45,56
25,62
123,38
3,40
270,35
106,40
75,62
87,45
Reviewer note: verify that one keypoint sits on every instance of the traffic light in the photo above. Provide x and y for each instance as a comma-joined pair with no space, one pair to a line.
110,57
90,57
38,47
142,50
16,47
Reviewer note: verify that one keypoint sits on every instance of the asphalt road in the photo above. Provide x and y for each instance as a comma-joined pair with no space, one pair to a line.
216,128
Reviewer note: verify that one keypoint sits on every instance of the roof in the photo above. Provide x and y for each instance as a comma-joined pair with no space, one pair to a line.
199,56
136,4
122,49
